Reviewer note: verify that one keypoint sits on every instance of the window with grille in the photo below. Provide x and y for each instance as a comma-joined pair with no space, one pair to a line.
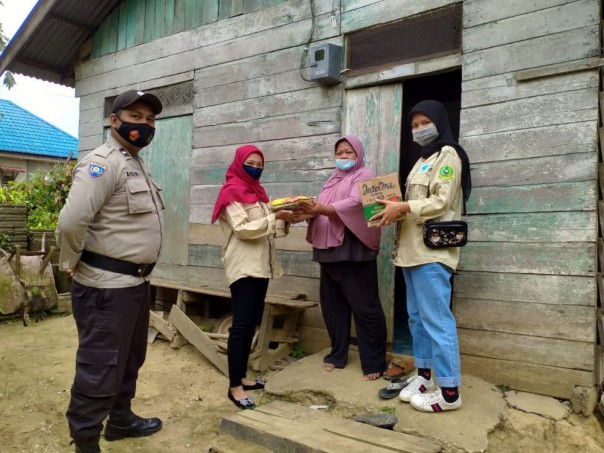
424,36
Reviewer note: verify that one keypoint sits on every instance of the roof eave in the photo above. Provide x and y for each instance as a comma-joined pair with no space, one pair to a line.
33,21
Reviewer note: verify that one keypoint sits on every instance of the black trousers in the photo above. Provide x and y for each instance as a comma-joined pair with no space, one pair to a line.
112,332
350,288
247,296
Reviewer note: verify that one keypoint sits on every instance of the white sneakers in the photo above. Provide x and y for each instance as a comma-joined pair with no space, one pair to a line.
424,395
417,386
433,402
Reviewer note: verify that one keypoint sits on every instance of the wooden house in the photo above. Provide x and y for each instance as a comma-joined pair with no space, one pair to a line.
520,78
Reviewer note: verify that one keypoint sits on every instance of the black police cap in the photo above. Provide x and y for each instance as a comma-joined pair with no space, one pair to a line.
129,97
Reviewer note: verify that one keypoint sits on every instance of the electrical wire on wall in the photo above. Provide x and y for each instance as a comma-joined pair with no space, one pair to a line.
306,47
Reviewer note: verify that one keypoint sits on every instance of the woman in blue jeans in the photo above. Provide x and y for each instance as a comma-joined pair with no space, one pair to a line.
436,188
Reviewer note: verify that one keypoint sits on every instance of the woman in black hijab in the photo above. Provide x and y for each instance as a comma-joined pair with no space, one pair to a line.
437,188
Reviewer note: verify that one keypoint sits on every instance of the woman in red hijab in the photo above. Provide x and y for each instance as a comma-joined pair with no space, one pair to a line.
249,258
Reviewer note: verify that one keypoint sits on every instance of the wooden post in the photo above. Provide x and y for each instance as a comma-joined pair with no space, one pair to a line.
18,261
47,259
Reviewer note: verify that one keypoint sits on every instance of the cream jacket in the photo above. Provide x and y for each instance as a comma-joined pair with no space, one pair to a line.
250,250
441,175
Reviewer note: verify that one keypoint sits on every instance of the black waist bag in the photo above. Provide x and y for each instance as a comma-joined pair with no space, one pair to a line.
453,233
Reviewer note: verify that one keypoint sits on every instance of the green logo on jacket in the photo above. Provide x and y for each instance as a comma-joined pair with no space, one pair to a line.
445,172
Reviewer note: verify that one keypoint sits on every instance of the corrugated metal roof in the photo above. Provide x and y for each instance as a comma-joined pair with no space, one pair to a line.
24,133
47,45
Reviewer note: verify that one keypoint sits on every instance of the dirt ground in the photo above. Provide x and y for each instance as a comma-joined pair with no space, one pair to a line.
188,394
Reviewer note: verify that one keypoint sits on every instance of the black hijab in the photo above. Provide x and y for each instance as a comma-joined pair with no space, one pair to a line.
438,114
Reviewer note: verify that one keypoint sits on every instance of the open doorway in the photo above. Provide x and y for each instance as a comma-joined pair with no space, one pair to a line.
445,88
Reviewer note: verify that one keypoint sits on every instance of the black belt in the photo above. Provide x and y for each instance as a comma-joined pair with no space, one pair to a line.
114,265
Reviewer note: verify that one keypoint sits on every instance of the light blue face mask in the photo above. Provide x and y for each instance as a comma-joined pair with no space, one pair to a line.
345,164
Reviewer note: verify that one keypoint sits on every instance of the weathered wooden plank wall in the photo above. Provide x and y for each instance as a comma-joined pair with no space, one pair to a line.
526,287
136,22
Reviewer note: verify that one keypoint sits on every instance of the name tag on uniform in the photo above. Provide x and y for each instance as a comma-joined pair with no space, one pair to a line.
132,173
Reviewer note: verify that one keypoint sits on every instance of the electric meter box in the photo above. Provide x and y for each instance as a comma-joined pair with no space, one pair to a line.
326,64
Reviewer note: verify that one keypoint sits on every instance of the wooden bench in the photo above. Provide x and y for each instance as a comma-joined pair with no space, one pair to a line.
278,306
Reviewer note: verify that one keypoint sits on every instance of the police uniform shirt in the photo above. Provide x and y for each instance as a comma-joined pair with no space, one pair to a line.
113,209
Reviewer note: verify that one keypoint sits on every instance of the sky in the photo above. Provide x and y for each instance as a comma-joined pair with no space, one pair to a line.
53,103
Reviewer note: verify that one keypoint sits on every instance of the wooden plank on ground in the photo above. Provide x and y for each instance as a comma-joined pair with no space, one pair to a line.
198,338
161,325
282,426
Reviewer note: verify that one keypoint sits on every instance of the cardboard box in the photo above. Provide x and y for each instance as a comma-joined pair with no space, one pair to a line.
381,188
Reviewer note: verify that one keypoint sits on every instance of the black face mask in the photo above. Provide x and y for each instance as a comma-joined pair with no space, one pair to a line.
137,134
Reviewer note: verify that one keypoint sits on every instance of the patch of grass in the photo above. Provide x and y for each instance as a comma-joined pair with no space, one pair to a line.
206,327
388,410
298,352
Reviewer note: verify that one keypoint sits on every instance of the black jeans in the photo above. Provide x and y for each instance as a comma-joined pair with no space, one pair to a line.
247,296
112,332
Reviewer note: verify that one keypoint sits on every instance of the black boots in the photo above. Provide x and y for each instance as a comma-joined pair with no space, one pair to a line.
124,423
136,427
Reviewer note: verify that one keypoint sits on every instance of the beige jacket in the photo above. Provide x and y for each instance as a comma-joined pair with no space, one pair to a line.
250,250
114,208
441,173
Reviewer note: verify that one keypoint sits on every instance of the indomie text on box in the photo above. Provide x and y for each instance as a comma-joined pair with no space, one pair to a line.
384,187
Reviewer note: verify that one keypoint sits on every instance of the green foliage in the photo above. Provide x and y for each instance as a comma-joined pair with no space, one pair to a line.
4,241
206,327
298,352
9,80
388,410
44,194
35,291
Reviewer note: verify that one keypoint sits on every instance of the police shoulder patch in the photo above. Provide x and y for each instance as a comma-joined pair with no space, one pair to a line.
446,172
95,169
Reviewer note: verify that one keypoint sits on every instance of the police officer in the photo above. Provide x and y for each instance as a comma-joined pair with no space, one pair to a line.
110,233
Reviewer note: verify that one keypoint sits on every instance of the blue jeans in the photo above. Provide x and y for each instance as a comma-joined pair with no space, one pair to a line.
431,322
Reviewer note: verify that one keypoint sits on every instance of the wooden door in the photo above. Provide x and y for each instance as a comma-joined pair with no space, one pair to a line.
169,161
374,115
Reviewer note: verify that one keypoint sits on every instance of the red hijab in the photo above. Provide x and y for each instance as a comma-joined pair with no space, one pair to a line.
239,186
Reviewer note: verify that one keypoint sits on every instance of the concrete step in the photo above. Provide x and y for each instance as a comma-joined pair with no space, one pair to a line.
285,427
